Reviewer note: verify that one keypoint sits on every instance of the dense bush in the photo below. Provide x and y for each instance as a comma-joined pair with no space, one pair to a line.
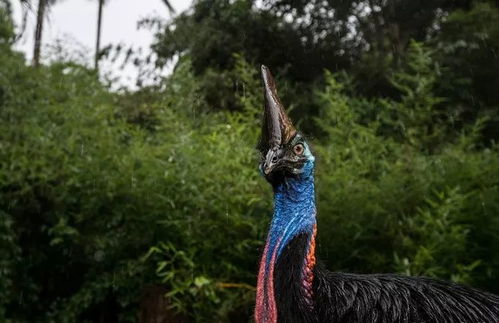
413,201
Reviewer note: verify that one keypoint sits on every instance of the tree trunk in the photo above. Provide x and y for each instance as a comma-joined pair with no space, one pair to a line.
38,31
155,307
97,45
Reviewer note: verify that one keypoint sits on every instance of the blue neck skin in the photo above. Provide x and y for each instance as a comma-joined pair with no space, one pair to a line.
294,210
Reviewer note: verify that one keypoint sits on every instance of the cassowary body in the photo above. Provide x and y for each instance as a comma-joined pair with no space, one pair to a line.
293,288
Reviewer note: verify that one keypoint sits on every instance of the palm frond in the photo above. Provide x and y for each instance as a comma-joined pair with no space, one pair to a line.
169,6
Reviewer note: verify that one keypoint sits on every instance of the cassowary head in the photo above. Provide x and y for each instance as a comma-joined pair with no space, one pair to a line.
284,151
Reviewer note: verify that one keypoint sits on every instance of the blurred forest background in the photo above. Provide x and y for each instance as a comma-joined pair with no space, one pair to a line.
111,199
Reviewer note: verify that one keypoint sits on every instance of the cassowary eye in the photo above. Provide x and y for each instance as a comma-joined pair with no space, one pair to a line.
298,149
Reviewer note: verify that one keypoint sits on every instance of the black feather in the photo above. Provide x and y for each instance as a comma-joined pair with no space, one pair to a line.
348,298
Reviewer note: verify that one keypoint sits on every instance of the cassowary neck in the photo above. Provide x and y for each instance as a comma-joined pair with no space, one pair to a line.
289,254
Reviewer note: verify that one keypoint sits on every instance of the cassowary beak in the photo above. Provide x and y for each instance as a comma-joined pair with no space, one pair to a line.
277,128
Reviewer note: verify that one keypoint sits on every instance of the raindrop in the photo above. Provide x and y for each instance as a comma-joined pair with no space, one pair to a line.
494,52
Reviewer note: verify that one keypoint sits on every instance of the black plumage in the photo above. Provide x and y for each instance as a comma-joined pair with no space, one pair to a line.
376,298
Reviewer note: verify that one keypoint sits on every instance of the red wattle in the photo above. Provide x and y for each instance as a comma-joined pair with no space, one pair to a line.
265,309
260,288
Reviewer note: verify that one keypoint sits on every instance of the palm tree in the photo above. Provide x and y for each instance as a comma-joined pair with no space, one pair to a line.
99,26
43,5
25,9
99,29
40,16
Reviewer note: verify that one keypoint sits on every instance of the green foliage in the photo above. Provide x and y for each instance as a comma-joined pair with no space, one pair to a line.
6,26
388,204
95,192
436,240
416,118
467,50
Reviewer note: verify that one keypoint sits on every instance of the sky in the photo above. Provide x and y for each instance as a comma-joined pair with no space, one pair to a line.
74,22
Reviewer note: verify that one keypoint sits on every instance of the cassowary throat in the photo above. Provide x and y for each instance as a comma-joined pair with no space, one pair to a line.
292,288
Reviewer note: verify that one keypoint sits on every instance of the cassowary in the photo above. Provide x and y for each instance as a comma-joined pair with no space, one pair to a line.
293,288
